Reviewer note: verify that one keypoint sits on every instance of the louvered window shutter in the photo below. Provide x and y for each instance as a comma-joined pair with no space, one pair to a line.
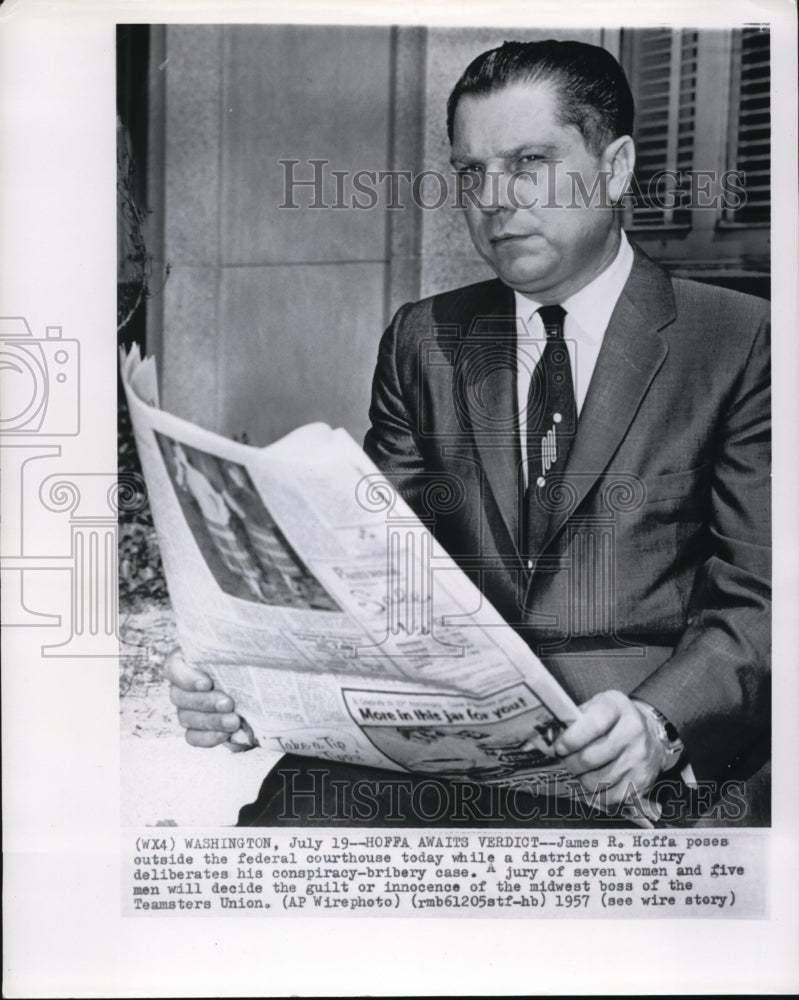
661,66
750,124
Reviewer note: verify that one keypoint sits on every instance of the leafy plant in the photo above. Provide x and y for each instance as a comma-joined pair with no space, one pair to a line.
141,573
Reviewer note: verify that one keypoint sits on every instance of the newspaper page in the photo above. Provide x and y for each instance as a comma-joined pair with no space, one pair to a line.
317,600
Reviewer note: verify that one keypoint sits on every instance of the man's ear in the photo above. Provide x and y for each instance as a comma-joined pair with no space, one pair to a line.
618,160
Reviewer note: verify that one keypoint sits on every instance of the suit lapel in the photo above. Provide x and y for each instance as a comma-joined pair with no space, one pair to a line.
632,352
485,387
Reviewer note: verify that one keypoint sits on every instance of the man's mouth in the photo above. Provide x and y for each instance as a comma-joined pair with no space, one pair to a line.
510,238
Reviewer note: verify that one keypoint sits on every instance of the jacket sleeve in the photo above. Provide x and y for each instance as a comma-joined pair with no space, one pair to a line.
391,442
716,686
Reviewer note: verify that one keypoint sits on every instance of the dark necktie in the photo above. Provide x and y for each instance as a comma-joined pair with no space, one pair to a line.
551,426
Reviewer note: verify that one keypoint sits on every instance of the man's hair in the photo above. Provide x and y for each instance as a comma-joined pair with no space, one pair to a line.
593,92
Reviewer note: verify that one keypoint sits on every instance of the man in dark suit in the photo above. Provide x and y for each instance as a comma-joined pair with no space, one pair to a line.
608,428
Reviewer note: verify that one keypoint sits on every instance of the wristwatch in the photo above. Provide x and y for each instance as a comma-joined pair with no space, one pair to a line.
667,734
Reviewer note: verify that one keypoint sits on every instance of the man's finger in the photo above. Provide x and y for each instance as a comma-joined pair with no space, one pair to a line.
203,738
177,671
598,717
598,754
209,721
616,783
200,701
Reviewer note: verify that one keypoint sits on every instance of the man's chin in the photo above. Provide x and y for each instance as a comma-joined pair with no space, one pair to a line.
523,271
524,280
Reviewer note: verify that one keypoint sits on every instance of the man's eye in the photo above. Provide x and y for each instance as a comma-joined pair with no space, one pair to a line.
471,168
530,158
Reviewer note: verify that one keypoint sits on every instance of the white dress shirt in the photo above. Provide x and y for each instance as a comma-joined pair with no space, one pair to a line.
587,316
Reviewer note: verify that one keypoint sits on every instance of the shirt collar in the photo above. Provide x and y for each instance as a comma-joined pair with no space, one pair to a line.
591,306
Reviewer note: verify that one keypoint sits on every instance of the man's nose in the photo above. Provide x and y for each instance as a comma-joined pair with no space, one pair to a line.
495,194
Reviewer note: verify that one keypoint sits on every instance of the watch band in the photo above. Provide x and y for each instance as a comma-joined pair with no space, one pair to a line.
667,734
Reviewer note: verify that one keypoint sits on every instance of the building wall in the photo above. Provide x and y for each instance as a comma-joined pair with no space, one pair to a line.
268,317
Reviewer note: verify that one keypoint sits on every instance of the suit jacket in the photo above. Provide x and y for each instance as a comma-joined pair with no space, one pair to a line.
654,577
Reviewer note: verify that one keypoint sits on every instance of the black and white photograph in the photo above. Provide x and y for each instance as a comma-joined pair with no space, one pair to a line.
565,236
243,547
410,534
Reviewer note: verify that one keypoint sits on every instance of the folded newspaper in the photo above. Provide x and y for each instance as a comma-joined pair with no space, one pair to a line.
311,593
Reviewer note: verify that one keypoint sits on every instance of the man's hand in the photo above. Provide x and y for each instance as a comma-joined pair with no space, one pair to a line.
207,715
613,748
